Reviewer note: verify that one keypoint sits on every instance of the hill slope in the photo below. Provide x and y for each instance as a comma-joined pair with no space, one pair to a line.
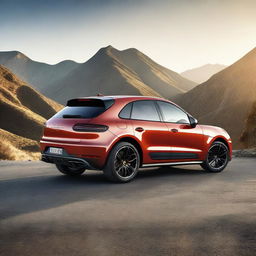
22,113
38,74
14,147
226,98
248,137
203,73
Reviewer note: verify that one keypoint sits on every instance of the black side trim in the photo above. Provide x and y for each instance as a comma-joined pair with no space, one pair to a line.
167,155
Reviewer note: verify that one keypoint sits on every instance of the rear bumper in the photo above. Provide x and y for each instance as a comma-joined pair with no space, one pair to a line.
95,155
67,160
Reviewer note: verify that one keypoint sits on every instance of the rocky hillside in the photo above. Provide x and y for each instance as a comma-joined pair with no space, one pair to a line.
23,111
248,137
226,98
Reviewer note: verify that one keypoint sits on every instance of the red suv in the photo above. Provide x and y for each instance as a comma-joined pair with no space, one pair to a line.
120,134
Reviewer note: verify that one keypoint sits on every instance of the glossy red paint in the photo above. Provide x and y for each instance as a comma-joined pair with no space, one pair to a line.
152,138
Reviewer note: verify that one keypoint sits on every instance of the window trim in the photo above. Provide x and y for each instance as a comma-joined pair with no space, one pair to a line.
158,108
162,116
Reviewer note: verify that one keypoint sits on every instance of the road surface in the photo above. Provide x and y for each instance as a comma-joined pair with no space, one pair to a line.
164,211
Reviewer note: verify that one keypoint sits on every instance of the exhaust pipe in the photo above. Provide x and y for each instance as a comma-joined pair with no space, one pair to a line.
70,161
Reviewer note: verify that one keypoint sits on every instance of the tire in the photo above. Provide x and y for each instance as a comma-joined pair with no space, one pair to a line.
70,170
123,163
217,157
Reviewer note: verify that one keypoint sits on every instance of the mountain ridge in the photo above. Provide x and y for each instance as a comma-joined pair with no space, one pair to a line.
202,73
132,72
226,98
38,74
111,71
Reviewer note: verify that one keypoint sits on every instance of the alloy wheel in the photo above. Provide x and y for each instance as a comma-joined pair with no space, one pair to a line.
217,156
126,162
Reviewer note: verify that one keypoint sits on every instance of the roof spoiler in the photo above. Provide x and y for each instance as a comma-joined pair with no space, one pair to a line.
90,102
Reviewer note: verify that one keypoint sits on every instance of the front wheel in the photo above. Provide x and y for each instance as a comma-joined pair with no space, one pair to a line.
217,157
123,163
70,170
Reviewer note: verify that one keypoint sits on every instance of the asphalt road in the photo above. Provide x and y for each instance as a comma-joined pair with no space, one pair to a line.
165,211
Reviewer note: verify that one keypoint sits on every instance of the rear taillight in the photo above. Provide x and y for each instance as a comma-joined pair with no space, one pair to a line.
90,128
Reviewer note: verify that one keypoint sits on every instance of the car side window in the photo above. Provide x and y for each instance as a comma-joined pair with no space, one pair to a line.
126,111
145,110
172,114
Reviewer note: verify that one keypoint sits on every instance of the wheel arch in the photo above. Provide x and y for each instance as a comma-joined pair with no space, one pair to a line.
225,142
221,140
131,140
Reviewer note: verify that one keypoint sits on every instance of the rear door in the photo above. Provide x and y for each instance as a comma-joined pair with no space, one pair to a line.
149,129
186,142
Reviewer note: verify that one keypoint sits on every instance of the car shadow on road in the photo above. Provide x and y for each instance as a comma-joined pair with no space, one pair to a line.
30,194
169,171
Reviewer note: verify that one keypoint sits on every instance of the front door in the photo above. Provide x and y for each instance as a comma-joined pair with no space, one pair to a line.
185,141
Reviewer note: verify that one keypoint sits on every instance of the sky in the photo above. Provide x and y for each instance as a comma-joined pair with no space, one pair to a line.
178,34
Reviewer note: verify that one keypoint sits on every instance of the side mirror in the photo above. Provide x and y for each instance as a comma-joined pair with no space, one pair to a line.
193,121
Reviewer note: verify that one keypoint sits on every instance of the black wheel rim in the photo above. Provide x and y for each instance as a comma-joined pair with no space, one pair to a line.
126,162
217,156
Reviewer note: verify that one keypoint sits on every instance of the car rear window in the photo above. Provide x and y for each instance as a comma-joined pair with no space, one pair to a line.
84,108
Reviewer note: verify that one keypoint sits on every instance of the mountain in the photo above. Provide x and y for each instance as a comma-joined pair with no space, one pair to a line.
23,111
38,74
248,137
109,71
226,98
203,73
112,72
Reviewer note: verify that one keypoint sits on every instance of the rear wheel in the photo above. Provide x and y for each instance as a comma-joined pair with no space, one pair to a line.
123,163
71,170
217,157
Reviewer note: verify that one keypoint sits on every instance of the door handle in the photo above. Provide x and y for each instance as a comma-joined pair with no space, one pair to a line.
139,129
174,130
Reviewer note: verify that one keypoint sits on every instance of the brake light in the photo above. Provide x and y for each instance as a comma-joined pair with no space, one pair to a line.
90,128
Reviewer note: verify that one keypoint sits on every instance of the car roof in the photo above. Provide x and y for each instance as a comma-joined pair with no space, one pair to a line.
128,97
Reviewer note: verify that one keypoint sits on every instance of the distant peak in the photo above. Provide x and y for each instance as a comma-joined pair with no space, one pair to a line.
131,50
67,62
105,50
15,54
20,55
109,47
